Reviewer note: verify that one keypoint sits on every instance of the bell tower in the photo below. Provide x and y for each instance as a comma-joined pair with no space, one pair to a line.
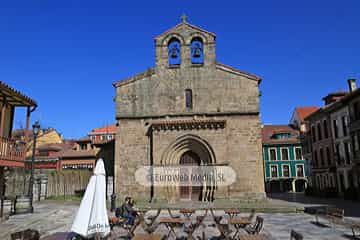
184,46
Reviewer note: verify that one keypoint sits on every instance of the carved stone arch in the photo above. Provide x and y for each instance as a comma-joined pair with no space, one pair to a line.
197,35
172,155
169,37
185,143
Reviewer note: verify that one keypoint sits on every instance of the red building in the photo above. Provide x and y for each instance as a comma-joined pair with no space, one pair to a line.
103,134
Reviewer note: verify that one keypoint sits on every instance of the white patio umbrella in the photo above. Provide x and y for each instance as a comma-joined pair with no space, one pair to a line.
92,219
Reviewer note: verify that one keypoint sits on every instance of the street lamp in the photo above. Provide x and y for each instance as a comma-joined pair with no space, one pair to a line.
36,129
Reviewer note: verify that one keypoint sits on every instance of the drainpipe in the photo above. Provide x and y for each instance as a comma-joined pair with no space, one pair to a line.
151,160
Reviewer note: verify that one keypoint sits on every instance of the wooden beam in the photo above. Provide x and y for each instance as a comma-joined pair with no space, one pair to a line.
2,121
28,112
16,96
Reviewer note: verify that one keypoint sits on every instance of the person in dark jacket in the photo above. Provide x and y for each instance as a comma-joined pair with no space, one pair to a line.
127,211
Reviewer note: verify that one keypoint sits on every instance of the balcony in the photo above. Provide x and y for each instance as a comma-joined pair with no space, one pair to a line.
12,153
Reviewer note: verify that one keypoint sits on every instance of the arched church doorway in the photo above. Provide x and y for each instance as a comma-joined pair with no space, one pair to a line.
190,192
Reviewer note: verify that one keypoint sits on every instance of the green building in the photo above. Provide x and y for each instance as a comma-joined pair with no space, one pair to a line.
284,165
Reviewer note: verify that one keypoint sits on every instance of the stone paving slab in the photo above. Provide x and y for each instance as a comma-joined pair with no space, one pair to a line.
51,218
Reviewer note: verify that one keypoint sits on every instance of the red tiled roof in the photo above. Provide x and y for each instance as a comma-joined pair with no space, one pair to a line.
84,139
74,154
107,128
303,112
55,146
269,130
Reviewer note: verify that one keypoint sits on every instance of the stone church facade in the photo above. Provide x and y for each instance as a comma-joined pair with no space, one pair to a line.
188,109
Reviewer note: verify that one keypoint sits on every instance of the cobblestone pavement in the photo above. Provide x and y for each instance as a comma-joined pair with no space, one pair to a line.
50,218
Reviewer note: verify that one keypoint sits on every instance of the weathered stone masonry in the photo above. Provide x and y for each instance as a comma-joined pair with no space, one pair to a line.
156,128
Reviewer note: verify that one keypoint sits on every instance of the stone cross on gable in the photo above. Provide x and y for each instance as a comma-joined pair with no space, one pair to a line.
184,17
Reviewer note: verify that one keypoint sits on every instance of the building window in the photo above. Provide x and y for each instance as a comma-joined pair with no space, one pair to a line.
322,157
300,170
337,149
344,125
110,137
298,153
83,146
274,171
313,133
356,143
319,131
326,132
328,156
174,52
188,99
286,170
336,131
272,154
347,152
356,108
284,154
197,53
353,143
316,163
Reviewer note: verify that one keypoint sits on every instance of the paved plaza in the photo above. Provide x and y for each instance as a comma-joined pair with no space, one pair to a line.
54,217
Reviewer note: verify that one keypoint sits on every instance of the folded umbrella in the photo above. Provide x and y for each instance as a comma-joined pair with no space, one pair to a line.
92,219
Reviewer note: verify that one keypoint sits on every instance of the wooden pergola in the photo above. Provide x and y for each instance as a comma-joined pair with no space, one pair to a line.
14,98
13,153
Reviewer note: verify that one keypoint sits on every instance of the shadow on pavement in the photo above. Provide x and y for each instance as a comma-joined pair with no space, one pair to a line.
352,208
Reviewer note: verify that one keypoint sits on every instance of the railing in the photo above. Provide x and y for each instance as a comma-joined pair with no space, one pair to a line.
12,150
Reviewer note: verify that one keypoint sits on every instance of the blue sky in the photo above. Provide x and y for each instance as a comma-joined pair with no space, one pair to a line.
67,54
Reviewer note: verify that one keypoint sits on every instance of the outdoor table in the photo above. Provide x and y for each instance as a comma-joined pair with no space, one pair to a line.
354,227
187,212
239,223
170,224
193,227
232,212
148,224
147,237
253,237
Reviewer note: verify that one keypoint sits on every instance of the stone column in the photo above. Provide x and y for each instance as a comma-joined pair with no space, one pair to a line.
281,185
2,181
110,187
43,188
293,185
346,179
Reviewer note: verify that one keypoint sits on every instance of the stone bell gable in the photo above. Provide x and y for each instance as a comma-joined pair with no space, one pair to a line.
185,32
188,108
161,91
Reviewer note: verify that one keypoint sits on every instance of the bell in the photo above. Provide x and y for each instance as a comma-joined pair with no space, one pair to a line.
173,52
196,51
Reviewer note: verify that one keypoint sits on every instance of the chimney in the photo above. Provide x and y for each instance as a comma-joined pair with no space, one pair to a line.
352,84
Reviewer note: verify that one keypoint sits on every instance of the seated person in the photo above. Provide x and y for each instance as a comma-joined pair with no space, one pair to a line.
127,210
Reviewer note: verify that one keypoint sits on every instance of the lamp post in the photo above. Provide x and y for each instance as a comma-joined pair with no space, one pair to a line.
36,129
